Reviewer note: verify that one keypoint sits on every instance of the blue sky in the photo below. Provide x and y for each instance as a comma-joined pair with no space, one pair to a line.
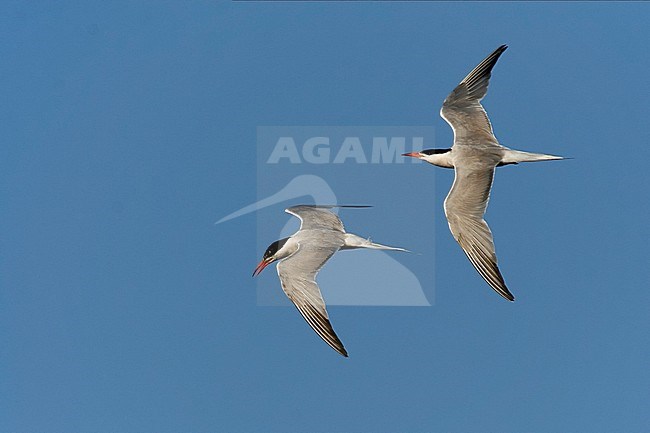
130,128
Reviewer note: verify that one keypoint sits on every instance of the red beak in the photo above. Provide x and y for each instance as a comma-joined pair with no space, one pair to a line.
261,265
413,154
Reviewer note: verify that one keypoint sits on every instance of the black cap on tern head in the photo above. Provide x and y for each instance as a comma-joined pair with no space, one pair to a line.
267,259
274,248
426,152
435,151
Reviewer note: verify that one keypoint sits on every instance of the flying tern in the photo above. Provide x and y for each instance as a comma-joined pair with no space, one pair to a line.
303,254
474,156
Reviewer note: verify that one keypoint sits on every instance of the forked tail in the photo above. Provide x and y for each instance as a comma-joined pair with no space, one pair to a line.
354,241
517,156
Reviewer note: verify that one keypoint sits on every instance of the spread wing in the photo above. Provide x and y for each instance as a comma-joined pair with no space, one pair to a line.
463,110
298,278
313,216
316,217
464,207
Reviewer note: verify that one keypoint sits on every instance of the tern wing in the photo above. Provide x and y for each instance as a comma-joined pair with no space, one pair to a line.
463,110
298,278
316,217
464,207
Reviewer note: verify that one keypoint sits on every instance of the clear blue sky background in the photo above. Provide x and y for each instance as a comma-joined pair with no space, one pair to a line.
129,128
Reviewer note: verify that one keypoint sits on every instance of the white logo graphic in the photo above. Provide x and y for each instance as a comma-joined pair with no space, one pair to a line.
359,277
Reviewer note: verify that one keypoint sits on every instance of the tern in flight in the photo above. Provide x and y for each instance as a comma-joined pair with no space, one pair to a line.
303,254
474,156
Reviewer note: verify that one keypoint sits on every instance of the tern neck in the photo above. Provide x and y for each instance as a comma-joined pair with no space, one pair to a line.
289,247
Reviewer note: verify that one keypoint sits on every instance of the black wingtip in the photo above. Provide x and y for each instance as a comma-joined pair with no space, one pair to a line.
500,50
497,53
355,206
504,292
330,206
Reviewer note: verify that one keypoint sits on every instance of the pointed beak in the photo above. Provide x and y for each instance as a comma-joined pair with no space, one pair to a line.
261,265
413,154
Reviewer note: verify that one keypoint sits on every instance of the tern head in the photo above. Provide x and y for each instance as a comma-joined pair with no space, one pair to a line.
439,157
270,255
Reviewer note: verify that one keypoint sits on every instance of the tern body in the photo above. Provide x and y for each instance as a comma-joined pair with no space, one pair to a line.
474,156
302,255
